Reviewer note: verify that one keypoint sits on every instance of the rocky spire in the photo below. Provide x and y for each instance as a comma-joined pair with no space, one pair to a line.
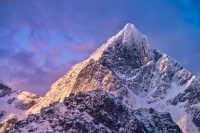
129,45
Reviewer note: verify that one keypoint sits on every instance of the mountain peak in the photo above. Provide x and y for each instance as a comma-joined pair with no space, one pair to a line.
129,26
132,37
129,44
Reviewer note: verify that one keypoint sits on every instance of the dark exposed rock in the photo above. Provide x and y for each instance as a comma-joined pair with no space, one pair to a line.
24,106
2,112
11,100
157,55
4,90
196,117
191,95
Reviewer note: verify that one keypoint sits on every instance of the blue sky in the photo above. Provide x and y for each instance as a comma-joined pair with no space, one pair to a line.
41,40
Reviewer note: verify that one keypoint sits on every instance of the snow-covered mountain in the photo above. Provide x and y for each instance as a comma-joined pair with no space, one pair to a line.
126,70
13,105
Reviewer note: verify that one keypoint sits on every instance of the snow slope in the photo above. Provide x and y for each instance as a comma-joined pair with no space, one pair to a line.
14,104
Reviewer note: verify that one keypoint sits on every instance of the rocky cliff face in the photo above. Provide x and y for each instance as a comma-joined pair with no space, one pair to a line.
127,70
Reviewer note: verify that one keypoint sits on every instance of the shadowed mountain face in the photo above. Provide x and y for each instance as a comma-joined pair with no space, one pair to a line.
127,71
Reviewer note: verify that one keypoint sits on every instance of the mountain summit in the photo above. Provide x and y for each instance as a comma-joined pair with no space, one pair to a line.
128,45
121,82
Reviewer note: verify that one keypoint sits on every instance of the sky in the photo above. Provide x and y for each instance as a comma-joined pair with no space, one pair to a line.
41,39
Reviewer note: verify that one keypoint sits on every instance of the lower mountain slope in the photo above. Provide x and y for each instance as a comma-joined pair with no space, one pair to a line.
95,111
13,105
